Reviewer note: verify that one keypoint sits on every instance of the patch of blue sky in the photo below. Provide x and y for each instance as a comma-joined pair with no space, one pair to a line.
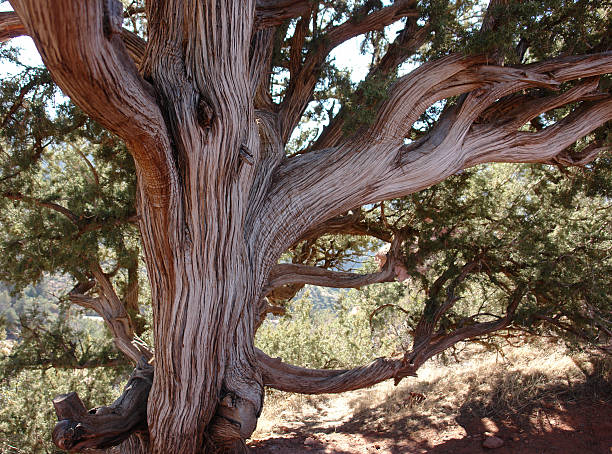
348,57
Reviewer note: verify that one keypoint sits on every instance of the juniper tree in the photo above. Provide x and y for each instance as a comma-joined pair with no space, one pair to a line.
524,247
206,97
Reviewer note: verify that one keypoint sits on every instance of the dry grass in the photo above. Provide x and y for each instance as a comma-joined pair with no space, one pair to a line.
483,385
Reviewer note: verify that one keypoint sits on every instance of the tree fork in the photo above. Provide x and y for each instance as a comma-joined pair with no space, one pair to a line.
220,202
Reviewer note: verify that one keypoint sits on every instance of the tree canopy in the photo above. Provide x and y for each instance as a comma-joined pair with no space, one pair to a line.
227,150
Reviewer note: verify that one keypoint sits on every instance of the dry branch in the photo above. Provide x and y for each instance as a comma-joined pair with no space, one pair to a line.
351,223
103,427
294,273
302,84
45,204
286,377
270,13
88,60
113,312
239,204
493,143
406,44
374,165
12,27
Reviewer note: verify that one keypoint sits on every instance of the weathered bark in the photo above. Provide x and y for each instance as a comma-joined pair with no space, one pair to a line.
12,27
219,202
108,426
405,45
203,301
99,63
103,427
113,311
386,168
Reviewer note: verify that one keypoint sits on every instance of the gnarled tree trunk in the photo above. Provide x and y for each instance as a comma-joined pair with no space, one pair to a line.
207,388
219,202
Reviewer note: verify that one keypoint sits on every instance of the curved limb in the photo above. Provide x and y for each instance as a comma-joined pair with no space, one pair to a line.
88,60
295,273
286,377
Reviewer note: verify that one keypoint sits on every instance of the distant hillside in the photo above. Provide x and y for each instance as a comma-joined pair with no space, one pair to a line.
44,297
322,297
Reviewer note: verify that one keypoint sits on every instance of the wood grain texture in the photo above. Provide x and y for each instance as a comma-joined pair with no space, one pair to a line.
375,165
219,201
204,321
103,427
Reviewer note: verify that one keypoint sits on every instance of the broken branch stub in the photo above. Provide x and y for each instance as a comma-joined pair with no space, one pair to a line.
103,427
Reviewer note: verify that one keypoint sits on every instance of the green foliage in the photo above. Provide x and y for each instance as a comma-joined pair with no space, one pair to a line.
335,338
67,201
26,416
63,341
549,28
322,298
67,190
527,227
67,185
362,106
55,352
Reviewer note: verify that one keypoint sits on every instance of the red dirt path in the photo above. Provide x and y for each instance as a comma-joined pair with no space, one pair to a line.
569,428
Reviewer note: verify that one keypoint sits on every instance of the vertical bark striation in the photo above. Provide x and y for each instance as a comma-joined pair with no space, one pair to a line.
219,202
208,390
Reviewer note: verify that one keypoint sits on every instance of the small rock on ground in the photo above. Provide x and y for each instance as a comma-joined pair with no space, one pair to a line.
492,442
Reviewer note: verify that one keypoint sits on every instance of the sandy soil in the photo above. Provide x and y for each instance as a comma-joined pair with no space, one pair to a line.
583,427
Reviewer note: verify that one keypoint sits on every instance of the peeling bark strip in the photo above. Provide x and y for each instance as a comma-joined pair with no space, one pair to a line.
103,427
219,201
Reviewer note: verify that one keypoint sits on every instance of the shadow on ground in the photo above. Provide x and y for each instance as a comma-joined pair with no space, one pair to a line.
533,418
